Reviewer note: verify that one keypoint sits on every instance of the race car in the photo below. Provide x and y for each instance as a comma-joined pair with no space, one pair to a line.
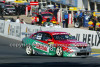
55,44
9,10
35,18
45,16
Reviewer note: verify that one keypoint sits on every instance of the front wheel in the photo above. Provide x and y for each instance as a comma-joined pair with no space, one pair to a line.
59,51
29,50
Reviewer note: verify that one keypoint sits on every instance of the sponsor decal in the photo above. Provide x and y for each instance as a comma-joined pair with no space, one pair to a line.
26,29
29,30
41,46
8,29
14,30
91,39
51,43
58,33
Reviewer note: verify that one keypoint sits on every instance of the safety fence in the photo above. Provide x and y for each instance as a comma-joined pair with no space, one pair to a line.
17,31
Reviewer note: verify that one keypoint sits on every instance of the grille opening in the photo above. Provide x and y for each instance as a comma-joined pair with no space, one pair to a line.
79,54
81,47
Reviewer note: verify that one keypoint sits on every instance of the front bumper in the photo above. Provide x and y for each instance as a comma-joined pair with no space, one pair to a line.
77,53
54,22
86,54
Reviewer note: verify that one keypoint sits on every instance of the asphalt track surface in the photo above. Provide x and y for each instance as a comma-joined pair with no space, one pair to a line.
16,57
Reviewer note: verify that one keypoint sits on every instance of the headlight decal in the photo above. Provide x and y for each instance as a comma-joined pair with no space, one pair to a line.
69,50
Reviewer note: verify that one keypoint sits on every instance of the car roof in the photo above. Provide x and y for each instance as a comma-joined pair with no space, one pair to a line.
55,32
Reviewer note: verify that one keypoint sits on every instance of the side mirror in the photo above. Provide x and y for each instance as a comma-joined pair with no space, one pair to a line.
49,40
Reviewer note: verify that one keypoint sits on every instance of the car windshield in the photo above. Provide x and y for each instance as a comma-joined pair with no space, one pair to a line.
63,37
9,6
47,15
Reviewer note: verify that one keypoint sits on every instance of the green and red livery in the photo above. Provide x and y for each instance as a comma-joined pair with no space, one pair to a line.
55,43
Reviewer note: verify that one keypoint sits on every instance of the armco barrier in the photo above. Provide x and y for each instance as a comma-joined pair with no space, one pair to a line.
15,30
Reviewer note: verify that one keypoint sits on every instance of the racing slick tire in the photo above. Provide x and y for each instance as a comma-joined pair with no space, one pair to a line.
59,51
77,25
29,50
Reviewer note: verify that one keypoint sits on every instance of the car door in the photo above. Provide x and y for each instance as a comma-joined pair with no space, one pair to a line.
38,45
45,38
48,39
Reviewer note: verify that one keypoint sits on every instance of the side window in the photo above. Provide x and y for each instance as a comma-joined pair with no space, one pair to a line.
46,36
34,36
37,36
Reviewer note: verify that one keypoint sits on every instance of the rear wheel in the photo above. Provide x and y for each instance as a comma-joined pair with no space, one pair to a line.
29,50
77,25
59,51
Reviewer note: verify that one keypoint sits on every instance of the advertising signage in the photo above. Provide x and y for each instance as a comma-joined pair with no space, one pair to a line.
66,2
